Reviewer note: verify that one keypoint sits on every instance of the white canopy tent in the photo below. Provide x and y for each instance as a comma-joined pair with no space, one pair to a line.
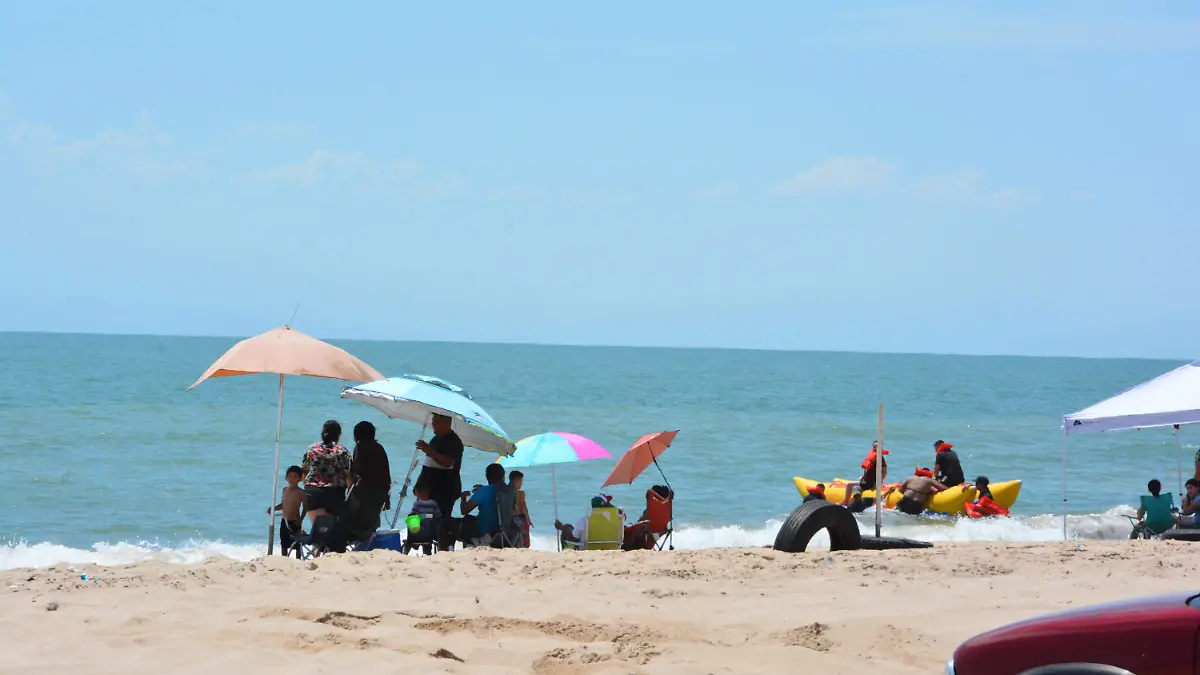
1171,399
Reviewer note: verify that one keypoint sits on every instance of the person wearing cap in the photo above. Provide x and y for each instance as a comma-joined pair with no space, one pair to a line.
946,466
577,533
916,491
857,504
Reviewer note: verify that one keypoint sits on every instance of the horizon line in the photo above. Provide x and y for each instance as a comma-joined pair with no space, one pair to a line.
615,346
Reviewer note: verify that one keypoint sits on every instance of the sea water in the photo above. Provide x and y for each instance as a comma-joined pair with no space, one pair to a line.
106,458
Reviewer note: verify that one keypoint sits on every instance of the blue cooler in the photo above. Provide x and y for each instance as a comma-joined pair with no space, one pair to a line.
385,540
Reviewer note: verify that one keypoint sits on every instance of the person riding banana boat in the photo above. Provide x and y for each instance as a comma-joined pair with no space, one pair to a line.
916,491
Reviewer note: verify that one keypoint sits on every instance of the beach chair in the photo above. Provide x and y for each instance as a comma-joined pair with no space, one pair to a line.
604,531
660,516
322,538
509,535
426,538
1160,516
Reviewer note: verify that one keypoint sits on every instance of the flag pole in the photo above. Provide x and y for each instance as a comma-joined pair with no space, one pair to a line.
879,473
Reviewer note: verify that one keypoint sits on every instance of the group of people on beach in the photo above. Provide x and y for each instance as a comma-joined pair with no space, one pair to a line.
917,490
355,488
1157,512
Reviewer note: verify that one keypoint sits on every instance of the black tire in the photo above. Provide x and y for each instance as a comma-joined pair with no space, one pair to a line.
810,518
1185,534
889,543
1077,669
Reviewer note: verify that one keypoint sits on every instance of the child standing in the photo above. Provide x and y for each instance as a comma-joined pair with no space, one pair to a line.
516,480
293,499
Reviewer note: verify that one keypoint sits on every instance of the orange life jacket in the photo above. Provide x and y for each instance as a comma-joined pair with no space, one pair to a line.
984,508
868,464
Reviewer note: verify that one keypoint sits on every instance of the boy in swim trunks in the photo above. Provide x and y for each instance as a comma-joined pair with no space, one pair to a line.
293,500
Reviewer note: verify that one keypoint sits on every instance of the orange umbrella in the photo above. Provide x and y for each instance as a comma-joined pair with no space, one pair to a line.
285,351
639,456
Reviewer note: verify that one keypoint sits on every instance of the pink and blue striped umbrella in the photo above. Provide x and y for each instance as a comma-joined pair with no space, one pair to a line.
555,447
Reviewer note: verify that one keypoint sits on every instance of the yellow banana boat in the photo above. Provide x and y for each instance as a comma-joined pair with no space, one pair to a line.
951,501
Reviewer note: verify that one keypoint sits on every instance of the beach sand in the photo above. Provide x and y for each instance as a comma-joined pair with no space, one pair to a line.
708,611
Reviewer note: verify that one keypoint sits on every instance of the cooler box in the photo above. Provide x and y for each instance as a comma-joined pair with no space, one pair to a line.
385,540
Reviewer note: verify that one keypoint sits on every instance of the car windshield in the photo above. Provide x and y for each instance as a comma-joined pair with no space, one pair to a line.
1194,602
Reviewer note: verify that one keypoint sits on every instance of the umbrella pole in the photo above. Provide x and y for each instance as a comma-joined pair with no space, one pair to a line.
879,473
407,479
275,473
554,491
660,472
1179,459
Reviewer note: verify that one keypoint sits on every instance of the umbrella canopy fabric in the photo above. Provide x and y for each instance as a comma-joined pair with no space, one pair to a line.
417,398
286,351
555,447
639,456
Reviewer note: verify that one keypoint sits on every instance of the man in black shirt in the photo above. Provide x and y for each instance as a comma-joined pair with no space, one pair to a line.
946,468
443,464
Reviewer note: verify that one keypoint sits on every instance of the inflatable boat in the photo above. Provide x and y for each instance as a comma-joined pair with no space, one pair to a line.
951,501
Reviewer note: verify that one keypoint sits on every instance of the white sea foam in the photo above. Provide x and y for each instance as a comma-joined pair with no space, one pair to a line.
1109,525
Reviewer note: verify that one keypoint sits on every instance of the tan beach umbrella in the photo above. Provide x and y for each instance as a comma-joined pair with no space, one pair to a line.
286,351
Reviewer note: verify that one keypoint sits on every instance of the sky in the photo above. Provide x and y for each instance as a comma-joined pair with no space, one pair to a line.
1003,178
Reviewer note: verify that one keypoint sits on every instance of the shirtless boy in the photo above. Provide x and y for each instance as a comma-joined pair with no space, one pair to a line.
292,501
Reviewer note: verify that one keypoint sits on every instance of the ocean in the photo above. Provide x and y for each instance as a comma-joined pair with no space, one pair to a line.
109,459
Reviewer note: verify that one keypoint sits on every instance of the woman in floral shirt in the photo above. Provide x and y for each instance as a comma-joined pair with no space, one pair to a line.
326,473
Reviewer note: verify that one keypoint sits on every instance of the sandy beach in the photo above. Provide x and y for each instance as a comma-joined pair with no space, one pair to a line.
709,611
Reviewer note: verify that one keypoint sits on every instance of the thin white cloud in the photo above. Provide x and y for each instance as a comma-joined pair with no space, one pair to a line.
838,175
349,168
143,151
875,178
965,187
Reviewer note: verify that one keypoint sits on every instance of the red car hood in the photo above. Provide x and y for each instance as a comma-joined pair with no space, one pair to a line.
1086,623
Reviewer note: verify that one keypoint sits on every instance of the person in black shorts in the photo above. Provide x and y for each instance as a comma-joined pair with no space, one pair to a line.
916,492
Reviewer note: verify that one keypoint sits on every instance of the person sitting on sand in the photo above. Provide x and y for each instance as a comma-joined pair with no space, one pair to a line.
946,466
815,493
1189,515
916,491
290,504
428,509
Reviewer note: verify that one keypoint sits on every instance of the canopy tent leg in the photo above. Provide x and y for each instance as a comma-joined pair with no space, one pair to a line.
1179,460
879,473
412,466
1064,478
275,473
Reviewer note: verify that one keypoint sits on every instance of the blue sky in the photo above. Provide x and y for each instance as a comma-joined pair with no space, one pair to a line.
1005,178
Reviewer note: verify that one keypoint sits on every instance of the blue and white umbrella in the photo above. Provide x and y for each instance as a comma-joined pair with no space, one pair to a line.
417,398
